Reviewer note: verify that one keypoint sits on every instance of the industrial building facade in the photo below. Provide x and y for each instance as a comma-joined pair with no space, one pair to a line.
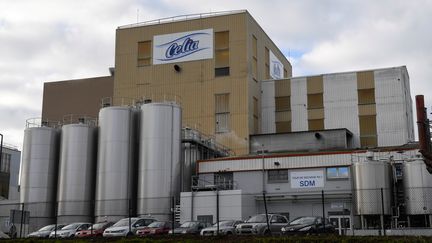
188,90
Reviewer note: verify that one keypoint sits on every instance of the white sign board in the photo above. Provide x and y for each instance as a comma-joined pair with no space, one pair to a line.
307,179
276,67
182,47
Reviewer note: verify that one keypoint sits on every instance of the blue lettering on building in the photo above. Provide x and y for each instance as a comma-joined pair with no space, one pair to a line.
309,183
183,46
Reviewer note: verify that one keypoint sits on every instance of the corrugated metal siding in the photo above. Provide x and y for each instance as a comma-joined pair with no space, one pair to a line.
340,103
392,125
299,105
268,107
292,162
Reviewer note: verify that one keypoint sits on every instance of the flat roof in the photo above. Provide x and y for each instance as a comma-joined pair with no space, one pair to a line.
180,18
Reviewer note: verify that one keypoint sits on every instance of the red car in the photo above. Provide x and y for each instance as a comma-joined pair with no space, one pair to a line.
156,228
95,230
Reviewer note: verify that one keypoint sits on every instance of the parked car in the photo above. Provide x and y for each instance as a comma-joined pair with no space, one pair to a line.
156,228
190,227
70,230
308,225
257,225
226,227
45,231
121,228
94,230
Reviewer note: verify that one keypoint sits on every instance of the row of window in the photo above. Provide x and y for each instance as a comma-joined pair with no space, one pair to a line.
332,173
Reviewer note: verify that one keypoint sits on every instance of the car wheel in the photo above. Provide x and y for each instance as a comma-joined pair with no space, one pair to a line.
229,233
129,234
266,232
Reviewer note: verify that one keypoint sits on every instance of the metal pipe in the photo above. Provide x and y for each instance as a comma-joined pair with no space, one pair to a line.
323,208
421,118
173,214
382,211
266,213
217,210
22,219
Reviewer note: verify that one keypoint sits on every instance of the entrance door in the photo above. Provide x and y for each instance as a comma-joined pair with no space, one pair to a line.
342,223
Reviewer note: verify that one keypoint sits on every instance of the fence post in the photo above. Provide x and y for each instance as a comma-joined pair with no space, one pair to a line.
56,218
382,211
130,220
217,211
266,213
173,215
323,208
22,219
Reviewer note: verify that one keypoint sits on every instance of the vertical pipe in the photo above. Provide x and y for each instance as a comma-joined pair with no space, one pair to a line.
173,214
323,208
421,126
56,216
382,211
217,211
130,220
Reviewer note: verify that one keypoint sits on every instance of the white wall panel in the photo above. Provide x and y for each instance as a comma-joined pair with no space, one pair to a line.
268,107
392,121
341,104
299,113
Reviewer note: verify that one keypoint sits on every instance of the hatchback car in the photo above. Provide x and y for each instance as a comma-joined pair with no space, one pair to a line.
122,228
156,228
94,230
308,225
226,227
70,230
45,231
190,227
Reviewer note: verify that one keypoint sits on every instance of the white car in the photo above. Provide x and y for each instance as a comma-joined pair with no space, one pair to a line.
121,228
70,230
225,228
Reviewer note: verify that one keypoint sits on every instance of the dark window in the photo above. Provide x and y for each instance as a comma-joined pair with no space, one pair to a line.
224,71
277,176
338,173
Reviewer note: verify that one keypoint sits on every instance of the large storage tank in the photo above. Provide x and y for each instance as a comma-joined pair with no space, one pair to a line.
159,162
76,183
369,177
417,188
39,174
116,167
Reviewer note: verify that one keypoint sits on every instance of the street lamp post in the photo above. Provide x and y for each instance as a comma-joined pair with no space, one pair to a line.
263,188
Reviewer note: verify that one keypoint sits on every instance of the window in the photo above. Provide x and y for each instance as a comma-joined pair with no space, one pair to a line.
222,54
267,66
366,96
144,53
338,173
254,57
255,115
207,219
5,165
222,113
277,176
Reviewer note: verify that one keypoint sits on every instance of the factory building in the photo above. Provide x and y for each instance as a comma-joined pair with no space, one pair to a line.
200,114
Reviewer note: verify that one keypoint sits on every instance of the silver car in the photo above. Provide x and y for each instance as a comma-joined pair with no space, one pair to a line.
121,228
45,231
257,225
226,227
69,230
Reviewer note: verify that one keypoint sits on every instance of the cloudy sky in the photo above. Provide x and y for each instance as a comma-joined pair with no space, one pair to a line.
45,40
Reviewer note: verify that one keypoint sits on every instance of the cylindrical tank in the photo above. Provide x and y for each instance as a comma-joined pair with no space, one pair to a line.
39,174
159,161
369,177
76,182
417,188
116,167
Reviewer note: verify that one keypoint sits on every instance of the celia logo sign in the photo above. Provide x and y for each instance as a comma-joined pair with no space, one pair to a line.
307,179
181,47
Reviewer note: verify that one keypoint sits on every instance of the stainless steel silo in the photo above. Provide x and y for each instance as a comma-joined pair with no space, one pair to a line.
39,174
159,161
369,177
116,168
76,182
417,188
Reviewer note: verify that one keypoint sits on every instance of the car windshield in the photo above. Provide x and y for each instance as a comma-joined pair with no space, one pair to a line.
188,224
156,225
224,223
71,226
98,226
257,219
303,220
124,222
47,228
